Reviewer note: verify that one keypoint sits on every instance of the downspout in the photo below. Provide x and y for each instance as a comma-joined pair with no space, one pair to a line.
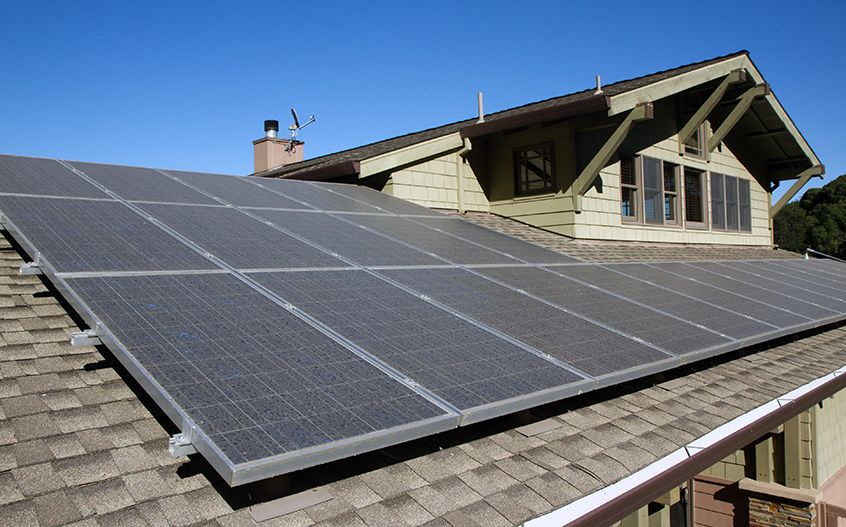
460,160
614,502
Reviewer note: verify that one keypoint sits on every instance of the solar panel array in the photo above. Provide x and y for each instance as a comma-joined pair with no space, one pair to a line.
282,324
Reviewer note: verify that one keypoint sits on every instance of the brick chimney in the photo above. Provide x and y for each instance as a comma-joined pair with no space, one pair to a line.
271,152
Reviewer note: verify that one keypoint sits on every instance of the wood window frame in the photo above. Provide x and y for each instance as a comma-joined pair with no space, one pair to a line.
698,151
703,198
639,191
518,183
742,220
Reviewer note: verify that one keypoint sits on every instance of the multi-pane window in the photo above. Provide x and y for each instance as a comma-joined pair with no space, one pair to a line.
649,190
534,170
694,197
695,144
628,189
731,206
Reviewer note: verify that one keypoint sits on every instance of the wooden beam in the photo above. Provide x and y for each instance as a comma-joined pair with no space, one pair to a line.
416,153
585,181
804,177
734,117
792,453
702,113
764,460
768,133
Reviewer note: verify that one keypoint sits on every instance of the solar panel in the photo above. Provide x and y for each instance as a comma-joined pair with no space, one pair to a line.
284,356
43,177
239,240
453,358
724,322
737,272
258,381
314,195
140,184
814,271
670,334
425,239
803,277
87,236
579,343
379,199
236,190
509,245
722,298
348,240
727,282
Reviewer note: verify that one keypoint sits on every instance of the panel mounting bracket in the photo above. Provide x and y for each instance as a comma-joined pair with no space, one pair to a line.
31,269
3,223
85,338
181,444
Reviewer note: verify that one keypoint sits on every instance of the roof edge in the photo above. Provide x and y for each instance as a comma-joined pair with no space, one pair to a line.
591,104
340,169
614,502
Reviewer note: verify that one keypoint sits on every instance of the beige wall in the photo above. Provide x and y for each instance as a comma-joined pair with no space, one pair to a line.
435,184
830,434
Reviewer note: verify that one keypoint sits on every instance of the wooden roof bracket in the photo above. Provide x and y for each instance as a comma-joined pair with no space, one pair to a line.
735,76
746,100
803,178
587,178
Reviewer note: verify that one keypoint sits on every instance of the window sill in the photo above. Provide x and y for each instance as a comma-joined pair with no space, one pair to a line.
539,195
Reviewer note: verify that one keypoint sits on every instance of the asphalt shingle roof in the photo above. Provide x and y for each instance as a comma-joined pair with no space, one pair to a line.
81,444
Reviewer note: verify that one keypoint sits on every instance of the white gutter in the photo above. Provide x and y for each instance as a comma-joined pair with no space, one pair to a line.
586,505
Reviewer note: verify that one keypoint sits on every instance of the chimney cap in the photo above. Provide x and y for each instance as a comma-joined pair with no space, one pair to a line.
271,124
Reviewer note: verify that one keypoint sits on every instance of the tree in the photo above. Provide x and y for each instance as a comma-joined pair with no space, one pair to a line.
818,221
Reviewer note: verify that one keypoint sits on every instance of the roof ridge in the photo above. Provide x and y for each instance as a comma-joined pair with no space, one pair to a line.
293,167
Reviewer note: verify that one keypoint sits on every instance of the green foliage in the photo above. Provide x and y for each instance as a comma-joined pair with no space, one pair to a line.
818,221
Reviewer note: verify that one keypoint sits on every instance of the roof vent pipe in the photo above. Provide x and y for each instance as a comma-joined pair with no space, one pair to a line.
598,86
481,118
271,128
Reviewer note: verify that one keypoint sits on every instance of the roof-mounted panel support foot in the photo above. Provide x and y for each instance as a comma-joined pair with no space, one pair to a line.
180,445
30,269
85,338
3,223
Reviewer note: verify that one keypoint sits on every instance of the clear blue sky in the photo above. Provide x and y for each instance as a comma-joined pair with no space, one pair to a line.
187,86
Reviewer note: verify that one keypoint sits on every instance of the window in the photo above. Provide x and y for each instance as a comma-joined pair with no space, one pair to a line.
534,170
731,207
628,189
649,190
695,144
694,198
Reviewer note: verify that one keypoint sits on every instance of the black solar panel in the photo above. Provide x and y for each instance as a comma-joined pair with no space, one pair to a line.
256,379
454,359
322,359
670,334
351,241
736,271
84,236
509,245
239,240
315,195
723,298
425,239
727,282
802,277
140,184
43,177
236,190
570,339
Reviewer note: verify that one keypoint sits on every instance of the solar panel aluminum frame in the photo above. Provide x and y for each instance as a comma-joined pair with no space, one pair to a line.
233,474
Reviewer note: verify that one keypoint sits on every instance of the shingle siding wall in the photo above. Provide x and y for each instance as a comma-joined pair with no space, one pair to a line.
830,437
435,184
601,219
